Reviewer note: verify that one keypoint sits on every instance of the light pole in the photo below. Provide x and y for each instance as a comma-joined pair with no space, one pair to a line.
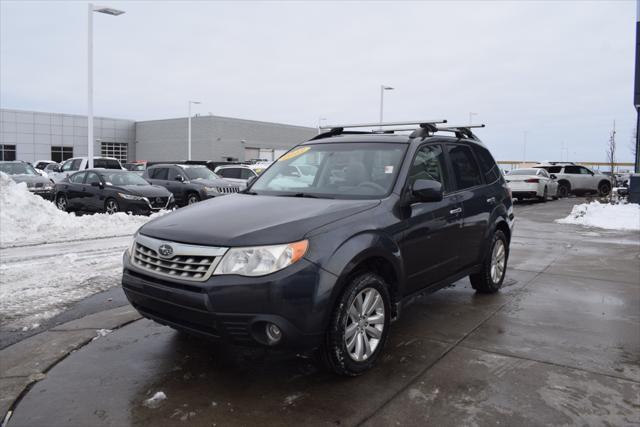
320,120
107,11
382,89
189,130
471,117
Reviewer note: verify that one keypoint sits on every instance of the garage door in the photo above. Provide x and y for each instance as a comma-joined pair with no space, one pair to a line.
251,153
266,154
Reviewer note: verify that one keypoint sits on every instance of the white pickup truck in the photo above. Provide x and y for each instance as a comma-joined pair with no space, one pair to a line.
576,179
81,163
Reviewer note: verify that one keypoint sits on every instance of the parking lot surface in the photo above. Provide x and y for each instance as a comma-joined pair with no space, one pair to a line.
559,345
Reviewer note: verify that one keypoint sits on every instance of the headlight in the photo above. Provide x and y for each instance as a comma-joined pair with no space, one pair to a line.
210,190
132,245
261,260
131,197
48,187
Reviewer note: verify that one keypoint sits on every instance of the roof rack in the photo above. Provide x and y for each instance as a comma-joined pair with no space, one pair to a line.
425,129
334,130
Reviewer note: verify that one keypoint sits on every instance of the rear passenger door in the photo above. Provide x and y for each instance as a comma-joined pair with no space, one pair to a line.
74,191
476,200
429,245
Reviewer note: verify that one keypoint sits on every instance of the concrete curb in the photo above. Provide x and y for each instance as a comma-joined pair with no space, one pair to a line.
28,361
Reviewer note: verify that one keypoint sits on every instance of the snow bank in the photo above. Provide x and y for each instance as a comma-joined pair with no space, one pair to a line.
611,217
26,218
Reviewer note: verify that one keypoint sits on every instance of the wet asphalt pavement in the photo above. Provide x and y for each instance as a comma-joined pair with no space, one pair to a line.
559,345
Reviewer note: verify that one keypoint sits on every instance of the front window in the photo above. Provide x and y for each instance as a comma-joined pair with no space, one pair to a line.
17,169
123,178
199,172
355,170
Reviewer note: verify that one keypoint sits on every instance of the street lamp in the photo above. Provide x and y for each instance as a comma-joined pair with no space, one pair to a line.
382,89
189,130
107,11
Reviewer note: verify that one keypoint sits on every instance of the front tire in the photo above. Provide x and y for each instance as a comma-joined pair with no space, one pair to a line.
192,198
564,189
489,279
111,206
359,326
62,203
604,189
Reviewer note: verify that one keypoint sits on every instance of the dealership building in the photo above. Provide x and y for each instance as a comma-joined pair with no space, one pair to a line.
31,135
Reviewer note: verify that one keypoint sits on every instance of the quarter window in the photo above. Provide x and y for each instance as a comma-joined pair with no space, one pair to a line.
159,173
7,152
487,165
464,166
428,164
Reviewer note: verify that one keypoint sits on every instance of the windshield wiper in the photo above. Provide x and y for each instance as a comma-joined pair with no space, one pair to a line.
307,195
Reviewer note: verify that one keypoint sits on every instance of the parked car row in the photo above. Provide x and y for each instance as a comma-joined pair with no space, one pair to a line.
24,172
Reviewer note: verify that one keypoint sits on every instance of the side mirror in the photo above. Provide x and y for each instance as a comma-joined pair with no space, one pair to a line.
552,176
56,169
426,190
96,184
180,178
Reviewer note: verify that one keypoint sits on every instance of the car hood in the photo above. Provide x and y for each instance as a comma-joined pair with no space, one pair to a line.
214,182
144,190
247,220
30,179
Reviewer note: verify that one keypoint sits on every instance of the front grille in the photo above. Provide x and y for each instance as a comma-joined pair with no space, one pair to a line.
175,260
158,202
39,185
227,190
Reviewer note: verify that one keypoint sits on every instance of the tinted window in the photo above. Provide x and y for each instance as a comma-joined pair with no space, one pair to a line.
428,164
92,177
572,169
246,174
464,166
77,178
199,172
487,164
158,173
107,164
123,178
230,173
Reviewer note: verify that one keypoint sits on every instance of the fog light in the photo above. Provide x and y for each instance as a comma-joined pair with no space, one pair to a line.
274,334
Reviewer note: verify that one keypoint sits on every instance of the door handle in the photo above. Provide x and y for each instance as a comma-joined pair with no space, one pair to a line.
491,200
455,211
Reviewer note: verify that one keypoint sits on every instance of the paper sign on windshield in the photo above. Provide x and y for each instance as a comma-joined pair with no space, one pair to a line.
295,153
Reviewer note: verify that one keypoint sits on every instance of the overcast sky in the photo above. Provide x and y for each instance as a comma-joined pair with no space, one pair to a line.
561,71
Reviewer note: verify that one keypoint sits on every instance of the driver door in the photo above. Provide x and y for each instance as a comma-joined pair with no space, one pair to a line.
429,245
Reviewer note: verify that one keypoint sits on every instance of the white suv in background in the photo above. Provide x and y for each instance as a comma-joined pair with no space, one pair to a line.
81,163
577,179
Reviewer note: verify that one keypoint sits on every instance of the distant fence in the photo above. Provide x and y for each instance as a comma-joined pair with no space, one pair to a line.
518,164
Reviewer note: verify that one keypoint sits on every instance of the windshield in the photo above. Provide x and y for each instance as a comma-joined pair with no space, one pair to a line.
524,172
17,169
123,178
355,170
199,172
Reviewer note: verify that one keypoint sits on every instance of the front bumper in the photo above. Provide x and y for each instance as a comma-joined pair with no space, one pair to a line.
142,207
234,308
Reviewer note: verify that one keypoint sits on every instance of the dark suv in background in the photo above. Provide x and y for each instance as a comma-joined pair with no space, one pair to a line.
327,262
189,183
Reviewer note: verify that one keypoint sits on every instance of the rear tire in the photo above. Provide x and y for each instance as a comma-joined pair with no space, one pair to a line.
545,196
62,203
490,278
363,311
564,189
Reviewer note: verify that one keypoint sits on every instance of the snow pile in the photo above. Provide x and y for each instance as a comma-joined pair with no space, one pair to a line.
611,217
26,219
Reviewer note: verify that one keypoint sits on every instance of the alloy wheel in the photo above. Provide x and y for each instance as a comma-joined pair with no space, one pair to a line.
112,207
364,325
498,261
192,200
62,203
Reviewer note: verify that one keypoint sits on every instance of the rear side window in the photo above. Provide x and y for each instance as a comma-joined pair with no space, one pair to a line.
487,165
465,169
158,173
107,164
429,164
229,173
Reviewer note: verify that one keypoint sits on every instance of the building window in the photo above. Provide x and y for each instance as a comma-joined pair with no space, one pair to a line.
7,152
60,154
117,150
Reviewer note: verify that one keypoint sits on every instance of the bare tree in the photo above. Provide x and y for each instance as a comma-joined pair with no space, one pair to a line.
611,156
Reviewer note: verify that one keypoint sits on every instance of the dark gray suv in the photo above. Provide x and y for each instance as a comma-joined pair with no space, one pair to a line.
327,262
189,183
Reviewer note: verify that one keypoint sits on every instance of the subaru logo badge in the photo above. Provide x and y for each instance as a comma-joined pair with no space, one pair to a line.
165,250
